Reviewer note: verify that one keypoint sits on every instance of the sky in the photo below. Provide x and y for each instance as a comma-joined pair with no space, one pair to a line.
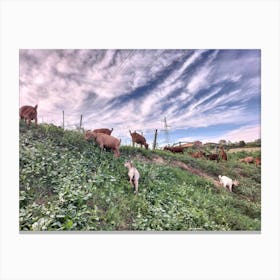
188,95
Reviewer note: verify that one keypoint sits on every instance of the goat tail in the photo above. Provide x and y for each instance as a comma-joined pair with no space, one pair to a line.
36,106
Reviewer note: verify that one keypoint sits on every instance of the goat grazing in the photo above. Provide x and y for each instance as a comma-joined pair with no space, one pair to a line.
198,154
174,149
139,139
247,160
213,157
105,141
133,175
227,182
28,113
103,130
258,161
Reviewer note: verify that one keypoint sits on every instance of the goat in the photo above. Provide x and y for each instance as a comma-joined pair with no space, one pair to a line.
139,139
103,130
213,157
198,154
223,154
133,175
174,149
28,113
247,160
105,141
227,182
258,161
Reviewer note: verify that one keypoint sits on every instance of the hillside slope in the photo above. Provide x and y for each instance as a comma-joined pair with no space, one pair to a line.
67,183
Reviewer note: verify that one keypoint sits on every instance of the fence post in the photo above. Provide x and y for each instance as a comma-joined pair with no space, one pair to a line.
155,140
63,119
81,122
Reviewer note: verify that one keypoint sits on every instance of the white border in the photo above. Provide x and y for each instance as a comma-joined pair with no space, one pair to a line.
165,24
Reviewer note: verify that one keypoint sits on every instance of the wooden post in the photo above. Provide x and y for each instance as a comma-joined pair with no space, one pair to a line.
155,140
81,122
63,119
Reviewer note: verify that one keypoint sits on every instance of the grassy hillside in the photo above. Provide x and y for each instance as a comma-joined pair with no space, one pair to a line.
67,183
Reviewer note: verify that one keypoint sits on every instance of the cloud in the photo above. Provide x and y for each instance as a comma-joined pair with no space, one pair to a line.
246,133
136,89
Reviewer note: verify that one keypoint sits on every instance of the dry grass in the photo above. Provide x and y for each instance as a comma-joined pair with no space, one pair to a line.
235,150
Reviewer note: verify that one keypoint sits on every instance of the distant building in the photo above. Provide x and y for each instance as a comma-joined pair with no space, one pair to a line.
190,144
187,145
210,144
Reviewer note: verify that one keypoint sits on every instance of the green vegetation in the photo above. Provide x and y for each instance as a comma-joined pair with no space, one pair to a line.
67,183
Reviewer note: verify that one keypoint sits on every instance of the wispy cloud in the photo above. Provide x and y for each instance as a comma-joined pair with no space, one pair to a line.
136,89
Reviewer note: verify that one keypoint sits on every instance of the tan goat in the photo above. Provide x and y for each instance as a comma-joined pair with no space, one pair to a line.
133,175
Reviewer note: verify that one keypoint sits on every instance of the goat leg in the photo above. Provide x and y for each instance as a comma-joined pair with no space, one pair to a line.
131,183
136,187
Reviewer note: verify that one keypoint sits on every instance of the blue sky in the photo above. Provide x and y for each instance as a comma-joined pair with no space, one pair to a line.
205,95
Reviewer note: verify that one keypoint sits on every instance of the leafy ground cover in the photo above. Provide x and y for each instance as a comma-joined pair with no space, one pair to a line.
67,183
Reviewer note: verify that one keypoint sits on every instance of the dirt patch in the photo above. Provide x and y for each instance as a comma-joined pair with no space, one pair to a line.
182,165
197,172
158,159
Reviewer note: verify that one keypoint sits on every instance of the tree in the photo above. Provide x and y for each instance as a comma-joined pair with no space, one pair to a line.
222,142
242,143
258,142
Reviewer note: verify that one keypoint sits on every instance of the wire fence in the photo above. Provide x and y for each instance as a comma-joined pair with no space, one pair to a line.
155,137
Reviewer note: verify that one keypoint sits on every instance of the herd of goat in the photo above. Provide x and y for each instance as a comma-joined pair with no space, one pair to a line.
221,155
105,140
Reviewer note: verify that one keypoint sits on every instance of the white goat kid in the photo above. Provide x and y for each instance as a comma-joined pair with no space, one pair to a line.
227,182
133,175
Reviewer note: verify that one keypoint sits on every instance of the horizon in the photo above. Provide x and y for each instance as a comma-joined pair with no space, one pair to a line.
205,95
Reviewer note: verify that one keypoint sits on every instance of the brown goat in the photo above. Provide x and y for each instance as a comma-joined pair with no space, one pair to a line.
223,154
28,113
247,160
105,141
139,139
258,161
103,130
213,157
198,154
174,149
